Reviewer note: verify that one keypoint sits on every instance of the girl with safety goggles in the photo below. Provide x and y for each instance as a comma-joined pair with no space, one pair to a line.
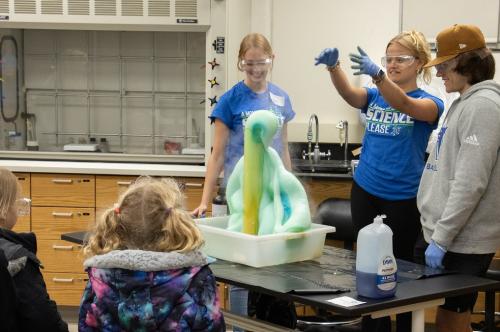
255,59
399,120
34,310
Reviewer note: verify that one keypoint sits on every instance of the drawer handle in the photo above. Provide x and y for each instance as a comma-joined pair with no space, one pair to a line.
59,247
124,183
193,185
62,180
63,280
62,214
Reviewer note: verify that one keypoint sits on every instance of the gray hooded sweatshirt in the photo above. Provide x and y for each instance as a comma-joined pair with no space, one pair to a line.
459,193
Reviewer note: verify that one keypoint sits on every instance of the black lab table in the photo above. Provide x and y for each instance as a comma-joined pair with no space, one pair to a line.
316,282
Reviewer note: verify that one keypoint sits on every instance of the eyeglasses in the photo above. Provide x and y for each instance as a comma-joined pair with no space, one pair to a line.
405,60
23,206
259,64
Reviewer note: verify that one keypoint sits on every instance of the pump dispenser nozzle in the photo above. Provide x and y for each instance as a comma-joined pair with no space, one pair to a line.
379,219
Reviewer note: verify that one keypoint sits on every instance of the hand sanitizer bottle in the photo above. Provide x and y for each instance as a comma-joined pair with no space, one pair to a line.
376,269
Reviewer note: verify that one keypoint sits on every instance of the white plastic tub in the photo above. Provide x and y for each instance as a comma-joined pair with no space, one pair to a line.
264,250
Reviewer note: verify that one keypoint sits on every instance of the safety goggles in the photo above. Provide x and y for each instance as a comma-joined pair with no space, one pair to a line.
23,206
404,60
259,64
445,66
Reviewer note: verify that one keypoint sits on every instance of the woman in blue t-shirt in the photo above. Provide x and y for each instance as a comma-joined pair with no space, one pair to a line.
254,93
399,120
255,59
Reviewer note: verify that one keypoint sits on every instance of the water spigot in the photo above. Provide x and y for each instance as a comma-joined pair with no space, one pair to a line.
314,155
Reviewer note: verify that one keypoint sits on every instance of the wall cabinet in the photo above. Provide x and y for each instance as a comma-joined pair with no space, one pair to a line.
319,189
62,203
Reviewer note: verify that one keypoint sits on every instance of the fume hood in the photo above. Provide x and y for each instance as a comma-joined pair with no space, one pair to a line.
124,80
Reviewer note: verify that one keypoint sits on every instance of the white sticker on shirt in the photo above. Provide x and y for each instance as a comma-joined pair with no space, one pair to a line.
277,100
244,116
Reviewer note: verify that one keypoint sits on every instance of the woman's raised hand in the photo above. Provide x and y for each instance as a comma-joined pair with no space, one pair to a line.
363,64
329,57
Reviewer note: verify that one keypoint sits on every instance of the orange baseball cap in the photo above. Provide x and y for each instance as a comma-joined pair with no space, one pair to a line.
457,39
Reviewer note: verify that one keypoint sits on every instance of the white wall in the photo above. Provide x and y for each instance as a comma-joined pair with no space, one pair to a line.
442,13
299,30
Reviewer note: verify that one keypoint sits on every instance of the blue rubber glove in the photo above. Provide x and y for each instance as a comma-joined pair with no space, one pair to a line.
434,255
364,64
329,57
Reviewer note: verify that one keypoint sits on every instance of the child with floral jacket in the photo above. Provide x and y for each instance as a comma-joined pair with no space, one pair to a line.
146,272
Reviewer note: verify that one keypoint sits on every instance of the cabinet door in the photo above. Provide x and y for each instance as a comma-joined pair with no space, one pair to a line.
318,190
23,222
63,190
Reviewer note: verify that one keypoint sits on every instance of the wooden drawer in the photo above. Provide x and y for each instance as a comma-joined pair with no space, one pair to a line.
51,222
63,190
108,188
60,256
65,288
193,190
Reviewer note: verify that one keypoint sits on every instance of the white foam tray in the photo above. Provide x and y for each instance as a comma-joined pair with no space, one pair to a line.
264,250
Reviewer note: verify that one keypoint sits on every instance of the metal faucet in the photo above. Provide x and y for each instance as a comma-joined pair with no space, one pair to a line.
315,155
344,125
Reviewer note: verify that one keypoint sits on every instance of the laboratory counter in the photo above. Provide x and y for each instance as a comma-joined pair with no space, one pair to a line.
120,168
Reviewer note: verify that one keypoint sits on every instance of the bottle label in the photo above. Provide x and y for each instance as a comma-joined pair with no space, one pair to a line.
219,210
386,275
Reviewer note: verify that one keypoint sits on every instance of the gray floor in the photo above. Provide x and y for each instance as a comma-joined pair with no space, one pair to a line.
70,316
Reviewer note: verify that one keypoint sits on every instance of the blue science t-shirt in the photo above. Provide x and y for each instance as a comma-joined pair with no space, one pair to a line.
393,155
236,105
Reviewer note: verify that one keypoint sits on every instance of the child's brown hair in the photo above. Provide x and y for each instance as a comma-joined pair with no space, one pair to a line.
148,216
8,193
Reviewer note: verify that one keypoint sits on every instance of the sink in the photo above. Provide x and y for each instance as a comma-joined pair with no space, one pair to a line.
323,166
